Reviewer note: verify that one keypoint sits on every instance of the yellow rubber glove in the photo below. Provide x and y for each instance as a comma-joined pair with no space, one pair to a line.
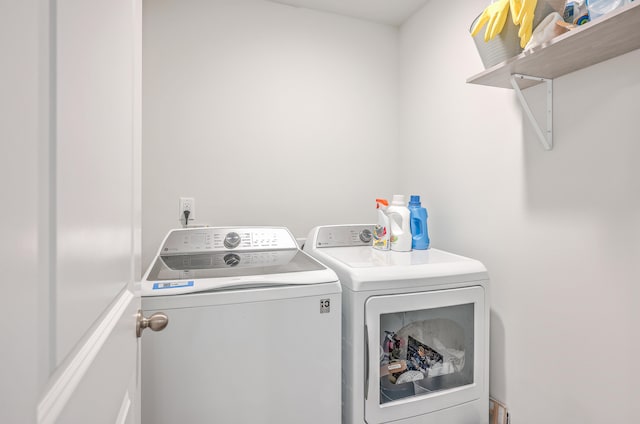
495,15
525,19
515,6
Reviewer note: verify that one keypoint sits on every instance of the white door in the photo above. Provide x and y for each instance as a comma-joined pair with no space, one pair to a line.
426,352
70,89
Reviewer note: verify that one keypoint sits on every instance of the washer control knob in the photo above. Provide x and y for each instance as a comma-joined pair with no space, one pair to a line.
232,240
365,235
231,259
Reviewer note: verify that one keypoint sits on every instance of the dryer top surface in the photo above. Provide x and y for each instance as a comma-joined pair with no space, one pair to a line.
360,267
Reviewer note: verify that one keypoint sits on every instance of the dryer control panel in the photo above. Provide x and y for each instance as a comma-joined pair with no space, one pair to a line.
344,236
193,240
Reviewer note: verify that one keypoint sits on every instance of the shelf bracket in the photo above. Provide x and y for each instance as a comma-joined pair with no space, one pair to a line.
546,137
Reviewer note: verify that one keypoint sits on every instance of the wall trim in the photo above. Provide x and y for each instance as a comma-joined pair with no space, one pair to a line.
64,386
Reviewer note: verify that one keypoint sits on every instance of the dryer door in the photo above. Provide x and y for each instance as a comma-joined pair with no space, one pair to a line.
425,352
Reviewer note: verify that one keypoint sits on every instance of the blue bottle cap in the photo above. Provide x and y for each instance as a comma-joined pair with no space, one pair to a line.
415,200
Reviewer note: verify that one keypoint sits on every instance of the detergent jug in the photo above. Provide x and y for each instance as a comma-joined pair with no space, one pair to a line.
399,218
381,232
419,232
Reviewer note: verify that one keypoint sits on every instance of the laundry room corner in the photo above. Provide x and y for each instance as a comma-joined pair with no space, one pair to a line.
556,229
321,212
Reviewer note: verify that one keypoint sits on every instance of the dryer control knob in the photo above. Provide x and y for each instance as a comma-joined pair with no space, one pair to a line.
365,235
232,240
231,259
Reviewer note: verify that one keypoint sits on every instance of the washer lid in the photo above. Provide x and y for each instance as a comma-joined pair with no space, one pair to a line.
196,260
178,274
231,264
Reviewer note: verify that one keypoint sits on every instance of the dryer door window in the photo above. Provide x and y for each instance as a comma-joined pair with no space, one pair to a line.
425,352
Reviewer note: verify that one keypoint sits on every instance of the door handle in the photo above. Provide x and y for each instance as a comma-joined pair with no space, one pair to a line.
366,362
156,322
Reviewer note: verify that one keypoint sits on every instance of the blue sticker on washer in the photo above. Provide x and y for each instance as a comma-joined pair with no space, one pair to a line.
172,285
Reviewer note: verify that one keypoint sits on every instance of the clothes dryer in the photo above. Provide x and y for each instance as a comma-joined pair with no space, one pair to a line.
415,334
253,333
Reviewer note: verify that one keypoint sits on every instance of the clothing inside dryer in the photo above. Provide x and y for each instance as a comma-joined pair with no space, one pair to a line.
425,351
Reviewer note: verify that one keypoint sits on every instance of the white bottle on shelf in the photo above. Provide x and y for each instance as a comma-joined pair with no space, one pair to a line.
399,218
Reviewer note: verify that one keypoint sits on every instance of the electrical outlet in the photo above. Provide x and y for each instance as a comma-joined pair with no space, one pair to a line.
187,204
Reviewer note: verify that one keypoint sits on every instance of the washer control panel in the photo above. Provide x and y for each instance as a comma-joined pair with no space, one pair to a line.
344,236
216,239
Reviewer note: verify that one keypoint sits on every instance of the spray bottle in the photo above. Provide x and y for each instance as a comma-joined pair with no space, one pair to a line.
382,230
399,218
419,232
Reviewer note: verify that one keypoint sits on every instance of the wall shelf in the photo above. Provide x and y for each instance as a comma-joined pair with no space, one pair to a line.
610,36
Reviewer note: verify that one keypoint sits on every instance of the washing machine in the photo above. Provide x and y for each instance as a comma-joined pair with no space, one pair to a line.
253,332
415,330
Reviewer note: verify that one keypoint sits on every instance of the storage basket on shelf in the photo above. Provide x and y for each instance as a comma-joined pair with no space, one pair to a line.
506,44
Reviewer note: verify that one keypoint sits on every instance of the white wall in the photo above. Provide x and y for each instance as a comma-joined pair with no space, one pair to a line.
557,230
266,114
